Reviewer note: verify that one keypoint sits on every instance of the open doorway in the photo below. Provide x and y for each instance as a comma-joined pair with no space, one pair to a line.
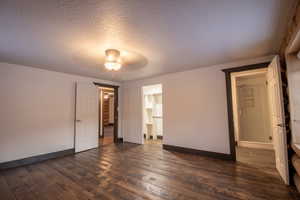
252,118
106,118
108,114
256,116
152,114
88,115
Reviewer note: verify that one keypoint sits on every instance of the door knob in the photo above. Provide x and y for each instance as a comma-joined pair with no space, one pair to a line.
281,125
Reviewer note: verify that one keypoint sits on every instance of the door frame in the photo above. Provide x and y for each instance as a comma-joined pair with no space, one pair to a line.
143,104
236,117
228,72
116,106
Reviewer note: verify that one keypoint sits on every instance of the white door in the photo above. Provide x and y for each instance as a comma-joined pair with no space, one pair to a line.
86,128
278,118
132,125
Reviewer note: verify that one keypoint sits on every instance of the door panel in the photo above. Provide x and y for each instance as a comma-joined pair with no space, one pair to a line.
87,122
253,107
132,127
278,118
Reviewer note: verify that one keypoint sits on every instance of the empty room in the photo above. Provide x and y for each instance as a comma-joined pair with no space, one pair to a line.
160,99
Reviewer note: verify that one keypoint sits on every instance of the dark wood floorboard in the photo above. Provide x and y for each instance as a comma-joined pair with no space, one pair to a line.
259,158
129,171
151,141
106,140
262,157
108,136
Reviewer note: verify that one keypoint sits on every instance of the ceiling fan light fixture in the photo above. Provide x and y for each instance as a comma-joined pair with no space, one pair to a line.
112,66
112,60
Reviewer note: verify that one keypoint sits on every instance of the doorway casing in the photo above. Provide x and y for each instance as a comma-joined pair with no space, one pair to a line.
116,106
277,113
230,101
254,73
156,87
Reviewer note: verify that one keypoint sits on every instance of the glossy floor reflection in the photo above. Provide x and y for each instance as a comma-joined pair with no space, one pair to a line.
129,171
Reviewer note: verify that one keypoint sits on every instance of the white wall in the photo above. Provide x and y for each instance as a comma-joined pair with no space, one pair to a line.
194,107
37,111
152,89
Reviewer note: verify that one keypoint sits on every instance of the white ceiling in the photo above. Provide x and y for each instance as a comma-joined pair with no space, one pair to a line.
169,35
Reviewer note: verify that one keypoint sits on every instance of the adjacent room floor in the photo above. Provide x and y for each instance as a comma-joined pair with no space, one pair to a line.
129,171
108,136
258,158
150,141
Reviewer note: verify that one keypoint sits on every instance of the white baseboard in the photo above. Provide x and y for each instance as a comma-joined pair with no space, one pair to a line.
257,145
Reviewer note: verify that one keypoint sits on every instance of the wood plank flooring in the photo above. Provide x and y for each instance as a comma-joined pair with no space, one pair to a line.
151,141
106,140
257,157
108,136
128,171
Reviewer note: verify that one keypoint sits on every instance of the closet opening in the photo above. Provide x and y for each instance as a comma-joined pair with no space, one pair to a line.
252,118
252,110
257,128
152,107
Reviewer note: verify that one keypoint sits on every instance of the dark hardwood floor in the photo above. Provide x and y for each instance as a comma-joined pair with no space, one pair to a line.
258,157
151,141
108,131
107,140
108,136
129,171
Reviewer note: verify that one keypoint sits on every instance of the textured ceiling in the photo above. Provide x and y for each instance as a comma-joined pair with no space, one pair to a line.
165,35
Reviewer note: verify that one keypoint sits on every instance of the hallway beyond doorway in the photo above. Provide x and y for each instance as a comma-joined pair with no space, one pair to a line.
108,136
